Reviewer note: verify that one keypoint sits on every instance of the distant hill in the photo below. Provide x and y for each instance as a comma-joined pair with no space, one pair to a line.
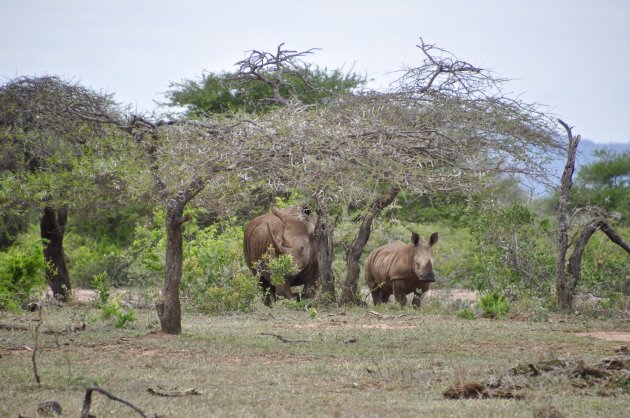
587,147
585,156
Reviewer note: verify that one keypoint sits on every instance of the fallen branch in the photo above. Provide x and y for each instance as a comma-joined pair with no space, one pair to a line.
87,402
281,338
158,391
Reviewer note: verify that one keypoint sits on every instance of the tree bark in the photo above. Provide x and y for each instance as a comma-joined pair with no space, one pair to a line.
52,229
169,308
563,289
349,293
324,248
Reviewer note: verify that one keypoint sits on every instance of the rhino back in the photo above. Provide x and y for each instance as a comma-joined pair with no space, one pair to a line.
256,239
387,261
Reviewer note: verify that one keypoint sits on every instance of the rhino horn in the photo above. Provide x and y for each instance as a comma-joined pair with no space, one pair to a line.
276,245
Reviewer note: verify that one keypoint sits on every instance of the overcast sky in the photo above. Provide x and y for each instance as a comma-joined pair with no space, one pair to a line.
571,55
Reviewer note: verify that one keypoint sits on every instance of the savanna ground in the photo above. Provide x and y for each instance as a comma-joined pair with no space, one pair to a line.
287,361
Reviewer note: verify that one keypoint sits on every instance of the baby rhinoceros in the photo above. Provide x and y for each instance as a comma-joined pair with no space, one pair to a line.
400,269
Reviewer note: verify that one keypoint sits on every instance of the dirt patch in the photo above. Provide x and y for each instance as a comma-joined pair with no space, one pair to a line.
623,336
452,295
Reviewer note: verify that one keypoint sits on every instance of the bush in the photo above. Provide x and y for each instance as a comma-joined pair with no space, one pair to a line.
100,283
238,294
22,270
465,313
215,277
605,267
121,317
514,251
493,305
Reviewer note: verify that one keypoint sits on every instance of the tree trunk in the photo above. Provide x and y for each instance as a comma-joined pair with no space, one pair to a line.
324,248
349,294
52,230
169,309
563,289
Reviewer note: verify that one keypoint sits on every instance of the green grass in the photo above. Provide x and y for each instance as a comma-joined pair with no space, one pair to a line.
339,363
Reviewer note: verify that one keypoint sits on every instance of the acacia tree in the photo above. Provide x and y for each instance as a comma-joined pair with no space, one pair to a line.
55,161
465,128
597,219
262,81
182,158
445,126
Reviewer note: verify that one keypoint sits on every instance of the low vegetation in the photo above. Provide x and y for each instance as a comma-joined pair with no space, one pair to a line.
286,362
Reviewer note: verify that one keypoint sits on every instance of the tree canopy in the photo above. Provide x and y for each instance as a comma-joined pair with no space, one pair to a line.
605,183
262,83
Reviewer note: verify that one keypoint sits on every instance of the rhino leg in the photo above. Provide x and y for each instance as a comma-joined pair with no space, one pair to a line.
399,292
269,291
309,291
417,295
286,292
379,296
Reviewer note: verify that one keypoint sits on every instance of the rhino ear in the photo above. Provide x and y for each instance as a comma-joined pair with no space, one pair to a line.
433,239
415,239
277,213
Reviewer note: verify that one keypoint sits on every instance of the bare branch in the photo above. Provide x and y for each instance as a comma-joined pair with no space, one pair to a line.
271,69
36,347
87,402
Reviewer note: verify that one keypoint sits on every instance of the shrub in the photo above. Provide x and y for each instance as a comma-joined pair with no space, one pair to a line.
121,316
100,283
514,251
277,267
22,270
215,277
605,267
493,305
237,294
88,257
465,313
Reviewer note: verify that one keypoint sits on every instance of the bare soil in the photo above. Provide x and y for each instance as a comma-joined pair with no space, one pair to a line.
623,336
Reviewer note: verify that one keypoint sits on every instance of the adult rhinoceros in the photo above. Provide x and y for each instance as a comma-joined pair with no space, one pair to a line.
400,269
288,231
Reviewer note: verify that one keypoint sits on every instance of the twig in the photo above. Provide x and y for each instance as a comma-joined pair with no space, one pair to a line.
33,359
87,402
534,370
281,338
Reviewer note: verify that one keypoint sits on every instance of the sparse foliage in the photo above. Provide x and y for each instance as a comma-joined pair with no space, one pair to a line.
494,305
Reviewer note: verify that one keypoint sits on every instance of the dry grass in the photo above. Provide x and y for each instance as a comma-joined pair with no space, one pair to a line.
280,362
